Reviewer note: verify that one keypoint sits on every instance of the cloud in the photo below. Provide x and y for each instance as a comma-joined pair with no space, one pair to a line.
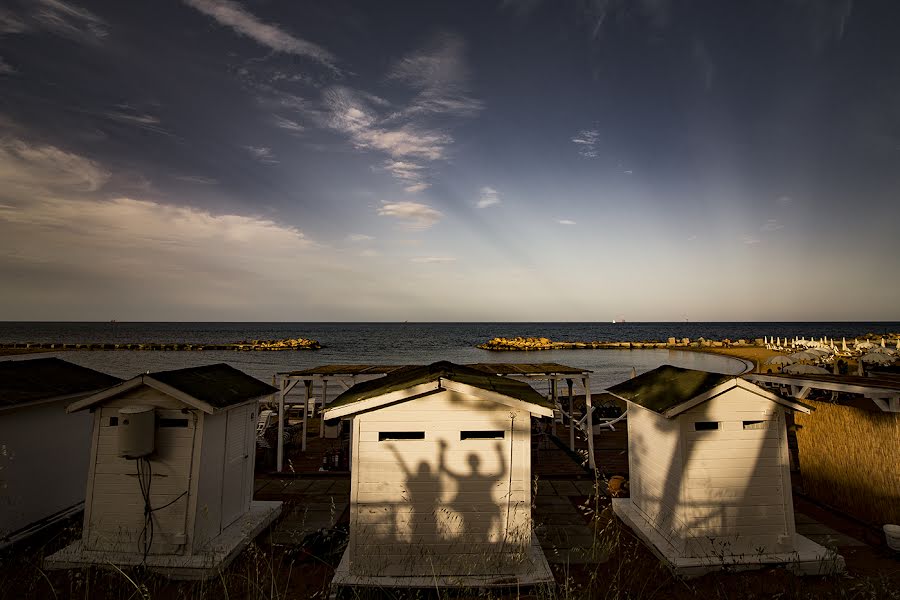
785,200
412,215
233,15
360,237
439,73
262,154
566,222
430,260
750,240
68,20
369,253
587,140
11,23
41,169
6,68
198,179
288,125
488,197
771,225
407,131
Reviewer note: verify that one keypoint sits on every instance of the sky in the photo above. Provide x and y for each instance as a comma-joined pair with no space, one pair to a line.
484,160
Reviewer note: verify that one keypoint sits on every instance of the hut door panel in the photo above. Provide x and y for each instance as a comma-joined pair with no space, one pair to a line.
236,466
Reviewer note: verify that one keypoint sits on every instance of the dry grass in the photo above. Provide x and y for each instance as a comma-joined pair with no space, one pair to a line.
848,457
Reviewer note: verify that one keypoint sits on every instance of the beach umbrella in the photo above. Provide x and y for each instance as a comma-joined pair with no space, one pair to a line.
898,343
864,345
882,342
877,358
805,370
843,344
888,351
806,355
780,360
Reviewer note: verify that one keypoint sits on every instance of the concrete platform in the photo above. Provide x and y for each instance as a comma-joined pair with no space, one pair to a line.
532,572
207,563
808,558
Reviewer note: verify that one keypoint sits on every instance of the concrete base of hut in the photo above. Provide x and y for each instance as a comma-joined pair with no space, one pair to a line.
531,572
808,557
204,564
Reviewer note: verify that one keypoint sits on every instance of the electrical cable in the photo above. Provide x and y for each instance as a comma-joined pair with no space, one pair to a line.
145,477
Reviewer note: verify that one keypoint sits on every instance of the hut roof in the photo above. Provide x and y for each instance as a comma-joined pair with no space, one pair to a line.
209,388
670,390
25,381
218,385
411,376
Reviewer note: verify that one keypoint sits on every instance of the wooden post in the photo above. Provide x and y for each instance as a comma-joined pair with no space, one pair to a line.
308,384
571,417
586,381
321,412
553,396
279,462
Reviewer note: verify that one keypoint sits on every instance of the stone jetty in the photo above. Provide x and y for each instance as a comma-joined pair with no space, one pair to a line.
542,343
247,345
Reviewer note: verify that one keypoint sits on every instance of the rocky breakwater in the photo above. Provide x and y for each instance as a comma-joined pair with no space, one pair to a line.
542,343
249,345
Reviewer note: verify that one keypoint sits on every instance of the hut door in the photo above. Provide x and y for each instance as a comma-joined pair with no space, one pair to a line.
237,463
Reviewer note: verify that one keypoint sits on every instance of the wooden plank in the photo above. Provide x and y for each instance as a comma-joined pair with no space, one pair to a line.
744,473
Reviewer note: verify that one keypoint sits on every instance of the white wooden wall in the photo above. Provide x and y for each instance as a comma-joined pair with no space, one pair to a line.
736,495
655,464
114,508
44,456
208,507
715,493
412,515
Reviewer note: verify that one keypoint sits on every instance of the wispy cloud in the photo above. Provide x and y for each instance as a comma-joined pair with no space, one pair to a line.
488,197
6,68
566,222
431,260
750,240
36,169
771,225
11,22
288,125
369,253
587,140
360,237
407,132
233,15
68,20
198,179
262,154
412,215
440,75
785,200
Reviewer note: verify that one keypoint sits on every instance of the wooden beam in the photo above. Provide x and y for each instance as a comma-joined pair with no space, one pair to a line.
279,462
321,413
571,418
589,431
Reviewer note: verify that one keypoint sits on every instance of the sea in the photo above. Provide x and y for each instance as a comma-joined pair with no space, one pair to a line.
408,343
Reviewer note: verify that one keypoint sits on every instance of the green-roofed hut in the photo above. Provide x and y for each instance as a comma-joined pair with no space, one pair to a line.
441,479
709,473
43,450
170,480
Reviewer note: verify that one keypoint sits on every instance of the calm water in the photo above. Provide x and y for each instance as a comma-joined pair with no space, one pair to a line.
408,343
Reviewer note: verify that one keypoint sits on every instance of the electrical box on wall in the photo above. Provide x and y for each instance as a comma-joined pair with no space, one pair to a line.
137,431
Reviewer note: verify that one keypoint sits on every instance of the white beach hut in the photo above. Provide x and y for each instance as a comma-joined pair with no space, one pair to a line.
170,483
44,454
441,479
709,473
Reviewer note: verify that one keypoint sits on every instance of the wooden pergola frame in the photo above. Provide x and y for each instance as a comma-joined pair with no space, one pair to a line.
346,376
885,393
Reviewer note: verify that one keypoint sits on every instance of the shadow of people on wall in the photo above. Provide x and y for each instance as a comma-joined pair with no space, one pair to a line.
423,491
474,502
